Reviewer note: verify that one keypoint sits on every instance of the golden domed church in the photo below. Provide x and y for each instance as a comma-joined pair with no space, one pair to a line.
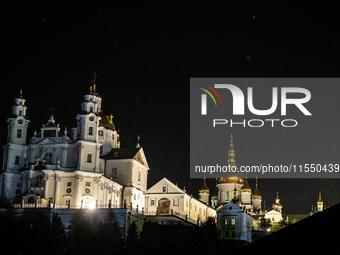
235,188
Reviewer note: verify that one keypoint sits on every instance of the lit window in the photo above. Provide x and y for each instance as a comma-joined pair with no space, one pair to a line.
232,221
226,222
89,158
19,133
227,196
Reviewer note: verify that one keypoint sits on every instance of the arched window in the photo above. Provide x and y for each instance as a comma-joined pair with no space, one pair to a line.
89,158
227,196
19,133
48,157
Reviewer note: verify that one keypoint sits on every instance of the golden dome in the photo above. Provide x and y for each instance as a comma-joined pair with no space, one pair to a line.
246,187
106,121
256,194
204,188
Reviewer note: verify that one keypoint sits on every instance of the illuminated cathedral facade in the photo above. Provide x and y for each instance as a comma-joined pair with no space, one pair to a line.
83,167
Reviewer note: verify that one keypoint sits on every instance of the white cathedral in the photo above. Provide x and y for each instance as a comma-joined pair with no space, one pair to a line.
83,167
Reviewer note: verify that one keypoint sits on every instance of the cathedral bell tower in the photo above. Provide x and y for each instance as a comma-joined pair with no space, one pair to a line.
15,149
88,120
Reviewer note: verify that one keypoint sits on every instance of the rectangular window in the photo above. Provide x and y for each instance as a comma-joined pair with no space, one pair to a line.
227,234
134,196
114,173
19,133
17,158
233,234
164,189
89,158
88,184
69,184
232,221
226,222
176,201
90,130
139,174
152,202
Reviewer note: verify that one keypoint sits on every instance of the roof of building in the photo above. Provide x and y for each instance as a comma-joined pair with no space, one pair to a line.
204,188
122,153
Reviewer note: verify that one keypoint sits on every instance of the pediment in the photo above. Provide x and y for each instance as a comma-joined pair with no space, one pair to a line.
46,141
272,212
140,157
158,187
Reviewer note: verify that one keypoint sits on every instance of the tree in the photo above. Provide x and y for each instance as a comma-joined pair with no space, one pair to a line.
58,238
131,239
149,242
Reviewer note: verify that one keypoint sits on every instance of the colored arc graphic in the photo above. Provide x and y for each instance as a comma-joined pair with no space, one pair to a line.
213,90
209,94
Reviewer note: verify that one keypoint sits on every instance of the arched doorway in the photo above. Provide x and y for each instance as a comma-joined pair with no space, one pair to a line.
163,206
88,202
31,200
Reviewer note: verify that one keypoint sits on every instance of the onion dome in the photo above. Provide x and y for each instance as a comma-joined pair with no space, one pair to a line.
320,202
235,199
246,187
106,121
204,188
236,176
256,194
277,200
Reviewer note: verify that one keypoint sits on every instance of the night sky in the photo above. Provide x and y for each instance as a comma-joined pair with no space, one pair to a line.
145,55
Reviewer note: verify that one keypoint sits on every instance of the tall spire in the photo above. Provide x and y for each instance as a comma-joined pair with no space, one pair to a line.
231,153
21,97
256,194
320,202
138,145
